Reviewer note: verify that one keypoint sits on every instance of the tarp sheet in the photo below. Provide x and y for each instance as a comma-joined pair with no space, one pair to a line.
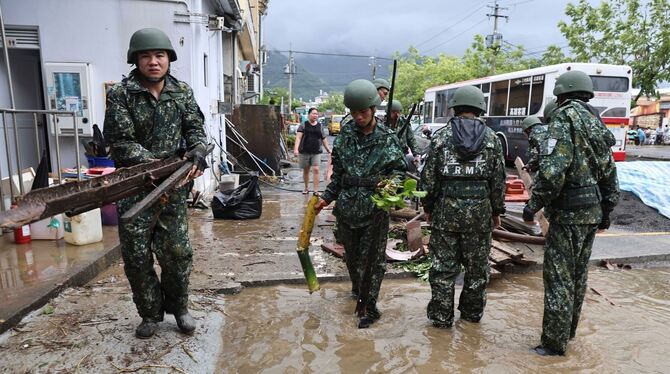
648,180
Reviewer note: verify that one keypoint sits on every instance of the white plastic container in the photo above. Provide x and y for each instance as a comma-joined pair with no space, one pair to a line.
229,182
48,228
85,228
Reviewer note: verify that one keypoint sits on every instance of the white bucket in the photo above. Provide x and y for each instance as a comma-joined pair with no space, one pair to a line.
85,228
48,229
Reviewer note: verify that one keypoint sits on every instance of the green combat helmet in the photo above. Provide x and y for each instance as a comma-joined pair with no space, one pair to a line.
468,96
150,40
573,81
529,122
361,94
382,83
396,106
549,110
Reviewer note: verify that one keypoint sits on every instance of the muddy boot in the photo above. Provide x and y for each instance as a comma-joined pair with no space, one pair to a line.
146,329
185,322
543,351
371,315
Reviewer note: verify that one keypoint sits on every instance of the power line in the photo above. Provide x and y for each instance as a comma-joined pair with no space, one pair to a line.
450,26
334,54
454,37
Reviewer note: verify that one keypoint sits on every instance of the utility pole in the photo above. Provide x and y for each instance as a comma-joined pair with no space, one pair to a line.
373,65
290,70
494,40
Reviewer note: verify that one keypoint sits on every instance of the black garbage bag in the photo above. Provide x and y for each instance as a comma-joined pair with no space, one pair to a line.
243,202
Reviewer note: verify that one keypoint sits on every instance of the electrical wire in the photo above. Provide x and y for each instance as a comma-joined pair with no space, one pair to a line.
451,26
453,38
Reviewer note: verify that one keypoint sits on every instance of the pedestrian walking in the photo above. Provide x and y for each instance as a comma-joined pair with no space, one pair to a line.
147,116
577,187
364,152
464,177
308,141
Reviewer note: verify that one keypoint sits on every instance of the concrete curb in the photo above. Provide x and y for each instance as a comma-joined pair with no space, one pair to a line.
76,279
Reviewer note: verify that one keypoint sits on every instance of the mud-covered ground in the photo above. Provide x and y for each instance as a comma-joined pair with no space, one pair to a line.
633,215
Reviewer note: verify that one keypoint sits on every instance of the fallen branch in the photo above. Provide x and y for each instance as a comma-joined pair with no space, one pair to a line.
76,368
188,353
147,366
601,294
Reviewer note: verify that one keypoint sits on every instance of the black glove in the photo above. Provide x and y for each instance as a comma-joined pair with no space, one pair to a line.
528,214
605,221
197,155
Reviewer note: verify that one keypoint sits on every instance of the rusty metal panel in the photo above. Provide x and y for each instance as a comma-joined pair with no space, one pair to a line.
260,126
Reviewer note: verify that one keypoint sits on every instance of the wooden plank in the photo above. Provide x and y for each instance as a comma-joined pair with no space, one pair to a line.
335,249
513,253
528,181
495,274
523,261
499,257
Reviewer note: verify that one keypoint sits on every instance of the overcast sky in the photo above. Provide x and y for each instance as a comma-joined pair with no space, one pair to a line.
381,27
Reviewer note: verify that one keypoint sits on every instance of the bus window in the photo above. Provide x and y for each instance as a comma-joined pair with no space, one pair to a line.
614,112
610,84
499,98
536,94
441,104
427,109
486,87
518,96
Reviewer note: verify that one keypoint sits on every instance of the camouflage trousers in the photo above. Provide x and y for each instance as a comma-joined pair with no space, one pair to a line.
358,244
450,250
566,257
162,230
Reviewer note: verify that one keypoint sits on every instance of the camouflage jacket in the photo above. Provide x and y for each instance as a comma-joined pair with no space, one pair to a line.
140,128
577,177
372,156
535,139
405,135
463,195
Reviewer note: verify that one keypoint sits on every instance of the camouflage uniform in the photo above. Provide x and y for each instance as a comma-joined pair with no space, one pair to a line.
405,135
576,183
462,198
359,160
140,128
537,135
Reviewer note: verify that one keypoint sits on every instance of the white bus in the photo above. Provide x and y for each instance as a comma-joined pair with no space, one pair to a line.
511,97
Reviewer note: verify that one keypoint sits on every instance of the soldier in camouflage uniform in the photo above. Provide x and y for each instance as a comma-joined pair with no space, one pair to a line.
549,111
403,131
364,152
464,177
577,187
148,114
536,131
383,87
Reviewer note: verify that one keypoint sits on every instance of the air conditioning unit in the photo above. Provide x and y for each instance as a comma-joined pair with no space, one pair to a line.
253,83
216,23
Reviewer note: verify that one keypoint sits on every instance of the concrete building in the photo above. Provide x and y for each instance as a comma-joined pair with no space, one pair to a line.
63,54
651,112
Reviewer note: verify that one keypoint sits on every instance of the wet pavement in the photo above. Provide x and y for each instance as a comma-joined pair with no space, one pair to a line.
648,152
290,332
32,273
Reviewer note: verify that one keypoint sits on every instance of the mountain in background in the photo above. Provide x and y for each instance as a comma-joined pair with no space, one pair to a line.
314,72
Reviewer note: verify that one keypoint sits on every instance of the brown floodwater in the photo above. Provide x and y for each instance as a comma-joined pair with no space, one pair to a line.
284,329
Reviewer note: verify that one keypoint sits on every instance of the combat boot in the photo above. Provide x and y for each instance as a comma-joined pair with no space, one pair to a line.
372,314
185,322
544,351
146,329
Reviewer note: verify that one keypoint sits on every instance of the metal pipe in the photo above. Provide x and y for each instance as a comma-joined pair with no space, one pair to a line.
60,177
5,50
18,153
76,144
9,156
37,138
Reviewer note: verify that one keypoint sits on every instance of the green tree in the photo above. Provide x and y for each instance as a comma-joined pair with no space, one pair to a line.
334,102
274,96
623,32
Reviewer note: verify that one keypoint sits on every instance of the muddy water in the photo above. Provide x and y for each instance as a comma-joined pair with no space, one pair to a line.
284,329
